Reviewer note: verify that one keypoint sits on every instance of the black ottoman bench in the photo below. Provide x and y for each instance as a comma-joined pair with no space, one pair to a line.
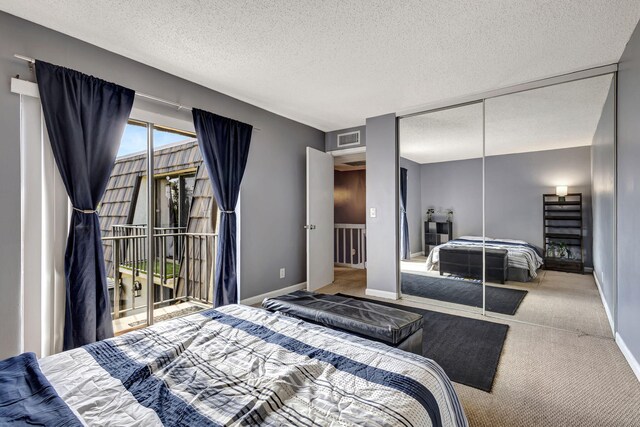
397,328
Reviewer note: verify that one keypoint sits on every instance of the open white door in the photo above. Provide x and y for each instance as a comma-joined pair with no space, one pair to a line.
319,219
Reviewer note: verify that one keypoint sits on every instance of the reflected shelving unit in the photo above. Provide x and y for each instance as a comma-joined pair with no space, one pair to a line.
436,233
563,241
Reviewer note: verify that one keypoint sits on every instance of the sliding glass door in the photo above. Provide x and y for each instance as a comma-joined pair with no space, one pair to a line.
123,225
184,220
158,218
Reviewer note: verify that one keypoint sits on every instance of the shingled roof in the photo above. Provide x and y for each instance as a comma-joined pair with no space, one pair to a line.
118,203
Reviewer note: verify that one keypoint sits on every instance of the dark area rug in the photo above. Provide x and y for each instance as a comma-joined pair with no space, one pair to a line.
467,349
498,300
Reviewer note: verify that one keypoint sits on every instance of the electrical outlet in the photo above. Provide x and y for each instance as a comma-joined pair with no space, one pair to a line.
282,273
372,212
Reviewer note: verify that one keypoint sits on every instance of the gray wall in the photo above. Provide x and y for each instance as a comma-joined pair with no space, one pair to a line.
603,153
514,186
455,185
331,138
382,194
273,189
628,195
414,204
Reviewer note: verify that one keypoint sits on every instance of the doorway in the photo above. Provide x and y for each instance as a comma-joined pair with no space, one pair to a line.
336,220
349,234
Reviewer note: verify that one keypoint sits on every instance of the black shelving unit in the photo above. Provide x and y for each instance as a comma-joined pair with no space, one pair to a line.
563,223
436,233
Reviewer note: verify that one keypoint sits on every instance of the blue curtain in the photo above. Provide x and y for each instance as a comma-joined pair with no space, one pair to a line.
85,119
224,144
405,250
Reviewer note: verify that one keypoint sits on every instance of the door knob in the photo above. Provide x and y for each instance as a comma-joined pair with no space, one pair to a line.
310,227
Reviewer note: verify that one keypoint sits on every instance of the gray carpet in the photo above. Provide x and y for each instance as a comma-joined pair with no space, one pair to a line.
457,291
467,349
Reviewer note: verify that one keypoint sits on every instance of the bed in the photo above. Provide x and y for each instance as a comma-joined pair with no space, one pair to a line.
235,365
523,259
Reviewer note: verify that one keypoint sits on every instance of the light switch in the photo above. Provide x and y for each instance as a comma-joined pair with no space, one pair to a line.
372,212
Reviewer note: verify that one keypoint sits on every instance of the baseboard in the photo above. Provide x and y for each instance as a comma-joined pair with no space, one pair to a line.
358,266
259,298
381,294
633,362
415,254
604,303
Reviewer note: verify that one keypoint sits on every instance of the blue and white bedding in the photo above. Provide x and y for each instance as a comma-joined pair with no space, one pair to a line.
520,254
238,366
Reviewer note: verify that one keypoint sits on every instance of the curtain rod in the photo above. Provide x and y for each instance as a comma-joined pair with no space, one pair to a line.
140,94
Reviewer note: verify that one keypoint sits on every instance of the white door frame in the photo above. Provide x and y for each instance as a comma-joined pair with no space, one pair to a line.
319,218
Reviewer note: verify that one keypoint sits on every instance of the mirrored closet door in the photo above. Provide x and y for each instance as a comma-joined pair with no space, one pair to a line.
441,207
549,182
507,205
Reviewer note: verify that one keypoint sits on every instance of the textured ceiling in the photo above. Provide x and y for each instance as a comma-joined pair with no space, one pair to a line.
554,117
333,63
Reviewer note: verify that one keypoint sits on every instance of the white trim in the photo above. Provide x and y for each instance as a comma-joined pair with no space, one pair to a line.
604,302
259,298
238,211
633,362
381,294
24,87
358,266
416,254
151,112
347,151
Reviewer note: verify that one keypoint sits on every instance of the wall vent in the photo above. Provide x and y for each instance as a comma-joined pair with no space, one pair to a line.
349,139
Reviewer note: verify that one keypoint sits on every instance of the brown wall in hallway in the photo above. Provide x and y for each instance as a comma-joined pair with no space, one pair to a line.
349,194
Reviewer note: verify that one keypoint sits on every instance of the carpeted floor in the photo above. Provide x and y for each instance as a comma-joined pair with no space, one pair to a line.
498,300
559,372
467,349
555,299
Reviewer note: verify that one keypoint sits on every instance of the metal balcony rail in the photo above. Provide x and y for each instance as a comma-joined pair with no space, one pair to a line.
183,268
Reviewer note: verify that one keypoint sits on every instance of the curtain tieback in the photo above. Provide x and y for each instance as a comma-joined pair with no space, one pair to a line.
227,212
85,211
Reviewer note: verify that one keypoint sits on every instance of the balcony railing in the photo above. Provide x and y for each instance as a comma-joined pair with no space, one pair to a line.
183,267
350,245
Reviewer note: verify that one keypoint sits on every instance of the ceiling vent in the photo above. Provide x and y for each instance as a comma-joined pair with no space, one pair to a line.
349,139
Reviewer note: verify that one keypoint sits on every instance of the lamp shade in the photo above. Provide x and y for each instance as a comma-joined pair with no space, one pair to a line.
562,190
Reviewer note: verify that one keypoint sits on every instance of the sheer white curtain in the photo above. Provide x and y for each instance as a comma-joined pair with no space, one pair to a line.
45,214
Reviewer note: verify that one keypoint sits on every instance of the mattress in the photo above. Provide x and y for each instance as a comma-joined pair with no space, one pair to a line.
235,365
520,254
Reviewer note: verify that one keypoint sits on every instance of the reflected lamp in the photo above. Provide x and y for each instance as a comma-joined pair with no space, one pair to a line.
561,192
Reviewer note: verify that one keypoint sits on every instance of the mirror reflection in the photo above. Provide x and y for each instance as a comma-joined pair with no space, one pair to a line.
441,207
549,203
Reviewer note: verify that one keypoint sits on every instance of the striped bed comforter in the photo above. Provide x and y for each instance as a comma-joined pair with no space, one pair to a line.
520,254
239,365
